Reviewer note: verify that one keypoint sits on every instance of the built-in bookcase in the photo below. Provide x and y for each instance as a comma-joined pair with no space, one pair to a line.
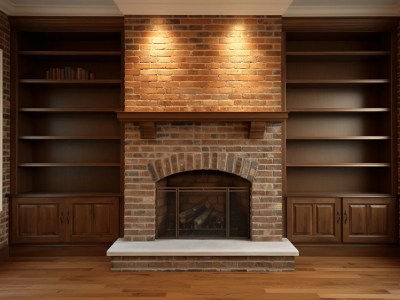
67,138
340,135
338,92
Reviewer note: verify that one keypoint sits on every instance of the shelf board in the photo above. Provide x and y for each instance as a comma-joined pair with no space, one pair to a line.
69,165
335,81
336,194
361,137
68,110
338,53
71,82
69,137
71,53
335,110
63,195
341,165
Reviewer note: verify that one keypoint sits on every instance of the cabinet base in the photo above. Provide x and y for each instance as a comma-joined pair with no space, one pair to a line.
59,250
4,253
348,250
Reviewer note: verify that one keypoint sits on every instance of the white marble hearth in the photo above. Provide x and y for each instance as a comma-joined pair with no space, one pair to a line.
202,248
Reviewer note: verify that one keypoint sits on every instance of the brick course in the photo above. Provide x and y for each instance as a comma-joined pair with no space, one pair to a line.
202,63
204,263
5,46
203,146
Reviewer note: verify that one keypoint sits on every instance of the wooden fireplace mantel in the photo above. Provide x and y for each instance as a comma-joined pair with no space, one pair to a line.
147,120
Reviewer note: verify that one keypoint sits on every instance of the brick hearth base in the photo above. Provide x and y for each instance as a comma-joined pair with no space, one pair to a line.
204,263
203,255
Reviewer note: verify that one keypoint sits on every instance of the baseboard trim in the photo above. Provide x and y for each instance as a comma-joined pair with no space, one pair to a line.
58,250
4,253
349,250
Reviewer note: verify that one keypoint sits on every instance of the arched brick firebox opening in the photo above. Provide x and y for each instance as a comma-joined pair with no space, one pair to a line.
203,204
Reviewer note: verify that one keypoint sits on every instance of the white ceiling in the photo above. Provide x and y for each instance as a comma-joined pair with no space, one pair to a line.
290,8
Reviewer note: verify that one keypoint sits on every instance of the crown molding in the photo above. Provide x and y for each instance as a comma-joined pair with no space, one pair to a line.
204,7
343,11
12,9
7,7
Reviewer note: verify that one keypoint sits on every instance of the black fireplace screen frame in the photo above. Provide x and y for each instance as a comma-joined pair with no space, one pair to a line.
226,190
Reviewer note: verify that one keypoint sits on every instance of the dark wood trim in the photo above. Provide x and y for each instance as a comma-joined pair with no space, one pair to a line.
348,24
110,24
394,112
127,116
147,120
13,112
348,250
58,250
4,253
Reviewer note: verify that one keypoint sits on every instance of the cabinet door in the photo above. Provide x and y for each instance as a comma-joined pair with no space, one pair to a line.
314,220
369,220
37,220
93,220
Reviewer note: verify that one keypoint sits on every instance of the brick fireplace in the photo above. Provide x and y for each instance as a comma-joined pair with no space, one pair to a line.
200,67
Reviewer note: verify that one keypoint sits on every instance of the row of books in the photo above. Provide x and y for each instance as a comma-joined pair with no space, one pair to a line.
69,73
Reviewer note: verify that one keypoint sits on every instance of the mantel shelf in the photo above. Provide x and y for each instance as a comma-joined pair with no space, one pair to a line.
147,120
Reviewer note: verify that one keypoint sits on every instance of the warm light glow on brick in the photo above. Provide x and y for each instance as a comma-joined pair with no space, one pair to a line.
196,63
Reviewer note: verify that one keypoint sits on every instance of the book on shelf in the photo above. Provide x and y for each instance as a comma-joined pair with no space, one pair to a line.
69,73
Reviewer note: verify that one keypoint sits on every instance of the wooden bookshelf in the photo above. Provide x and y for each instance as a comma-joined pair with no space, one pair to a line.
67,142
340,137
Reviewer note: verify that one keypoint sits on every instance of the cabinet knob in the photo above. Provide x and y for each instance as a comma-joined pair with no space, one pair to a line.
338,218
345,217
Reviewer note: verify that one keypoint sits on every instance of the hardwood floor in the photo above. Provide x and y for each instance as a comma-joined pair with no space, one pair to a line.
89,278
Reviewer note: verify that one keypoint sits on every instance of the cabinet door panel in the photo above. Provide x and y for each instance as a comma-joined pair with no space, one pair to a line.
81,219
94,220
325,224
370,220
356,212
314,220
37,220
102,219
377,214
302,219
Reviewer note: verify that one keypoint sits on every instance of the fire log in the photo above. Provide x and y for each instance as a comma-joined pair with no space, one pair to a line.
215,219
191,213
198,221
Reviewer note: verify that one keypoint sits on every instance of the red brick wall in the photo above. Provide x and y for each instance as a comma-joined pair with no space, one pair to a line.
208,146
5,46
203,63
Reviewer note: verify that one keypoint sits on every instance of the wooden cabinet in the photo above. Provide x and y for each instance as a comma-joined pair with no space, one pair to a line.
64,220
369,220
66,149
314,220
37,220
93,220
341,161
337,220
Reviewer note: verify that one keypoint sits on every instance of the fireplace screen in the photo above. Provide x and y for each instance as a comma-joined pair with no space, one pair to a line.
203,204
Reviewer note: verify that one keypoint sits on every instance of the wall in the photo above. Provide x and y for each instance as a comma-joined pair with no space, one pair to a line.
203,63
207,146
210,63
5,46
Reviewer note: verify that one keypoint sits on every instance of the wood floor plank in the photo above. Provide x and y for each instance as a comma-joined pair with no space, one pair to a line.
75,278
